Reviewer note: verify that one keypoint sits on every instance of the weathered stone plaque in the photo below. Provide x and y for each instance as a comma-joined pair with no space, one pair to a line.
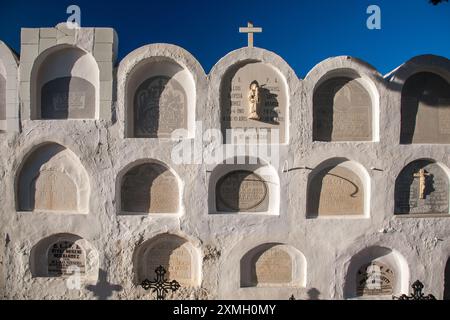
175,257
273,266
242,191
160,107
422,187
66,258
150,188
54,190
2,98
68,98
375,279
237,100
425,111
336,191
342,111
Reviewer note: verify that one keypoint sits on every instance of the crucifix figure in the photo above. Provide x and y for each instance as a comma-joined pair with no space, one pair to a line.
422,175
160,284
250,30
253,100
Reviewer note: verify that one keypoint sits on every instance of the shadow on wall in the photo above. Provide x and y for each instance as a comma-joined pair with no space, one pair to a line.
103,289
447,281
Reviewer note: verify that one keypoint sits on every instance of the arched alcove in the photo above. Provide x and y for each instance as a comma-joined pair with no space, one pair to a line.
9,102
2,97
177,255
273,265
447,281
345,107
52,179
376,273
149,188
65,84
160,97
62,255
247,187
422,187
338,187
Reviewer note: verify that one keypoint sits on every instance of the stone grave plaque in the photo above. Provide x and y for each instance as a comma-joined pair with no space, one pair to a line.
54,190
68,98
242,191
375,279
150,188
66,258
273,266
342,111
336,191
425,109
175,257
422,187
271,101
160,107
2,98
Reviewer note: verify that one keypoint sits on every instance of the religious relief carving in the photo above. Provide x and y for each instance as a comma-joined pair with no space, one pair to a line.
422,175
375,279
160,107
253,99
66,258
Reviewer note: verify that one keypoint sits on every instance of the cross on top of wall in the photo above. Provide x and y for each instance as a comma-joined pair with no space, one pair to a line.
250,30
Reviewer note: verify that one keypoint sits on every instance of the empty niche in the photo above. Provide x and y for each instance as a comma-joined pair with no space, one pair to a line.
52,179
376,273
160,98
244,188
254,98
65,84
425,109
149,188
338,187
2,97
63,255
273,265
343,108
176,255
422,187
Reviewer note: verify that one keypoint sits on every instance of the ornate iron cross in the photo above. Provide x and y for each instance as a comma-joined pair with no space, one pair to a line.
160,284
417,293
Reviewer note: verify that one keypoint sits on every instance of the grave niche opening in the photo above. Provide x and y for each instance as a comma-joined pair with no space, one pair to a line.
375,279
425,109
335,190
422,188
342,111
254,95
149,188
447,281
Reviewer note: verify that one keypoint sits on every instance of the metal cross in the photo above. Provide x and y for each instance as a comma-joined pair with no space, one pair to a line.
422,175
250,30
160,284
417,293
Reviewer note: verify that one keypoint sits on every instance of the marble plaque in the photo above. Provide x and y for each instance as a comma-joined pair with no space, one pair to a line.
68,98
54,190
150,188
241,191
66,258
273,266
160,107
175,257
272,106
375,279
336,191
2,98
409,199
342,111
425,109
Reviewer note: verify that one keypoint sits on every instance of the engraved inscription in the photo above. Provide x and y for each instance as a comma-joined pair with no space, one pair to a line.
375,279
241,191
66,258
273,266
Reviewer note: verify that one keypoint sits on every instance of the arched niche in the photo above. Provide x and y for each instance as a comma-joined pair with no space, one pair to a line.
63,255
248,187
376,273
65,84
52,179
3,78
338,187
149,188
9,103
273,265
266,114
425,109
422,187
177,255
447,281
160,98
345,107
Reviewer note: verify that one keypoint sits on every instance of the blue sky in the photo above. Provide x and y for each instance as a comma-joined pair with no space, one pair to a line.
302,32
